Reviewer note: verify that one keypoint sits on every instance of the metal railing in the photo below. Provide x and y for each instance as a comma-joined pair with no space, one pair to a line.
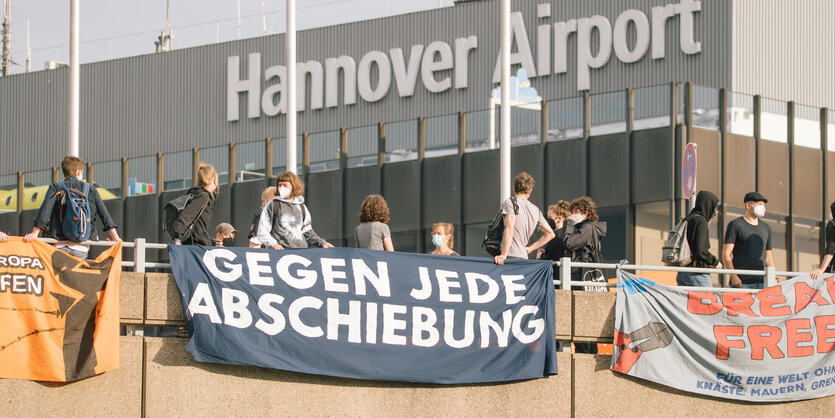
770,274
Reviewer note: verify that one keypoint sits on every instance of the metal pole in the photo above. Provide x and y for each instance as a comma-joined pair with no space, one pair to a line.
290,60
504,157
74,79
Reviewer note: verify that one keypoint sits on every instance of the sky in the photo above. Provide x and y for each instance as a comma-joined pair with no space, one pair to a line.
112,29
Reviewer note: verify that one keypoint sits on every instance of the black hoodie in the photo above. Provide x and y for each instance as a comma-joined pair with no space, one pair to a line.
697,230
198,211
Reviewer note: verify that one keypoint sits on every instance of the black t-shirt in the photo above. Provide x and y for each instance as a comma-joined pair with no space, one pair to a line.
750,244
830,244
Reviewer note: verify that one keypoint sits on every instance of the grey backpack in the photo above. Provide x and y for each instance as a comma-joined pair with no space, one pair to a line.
676,251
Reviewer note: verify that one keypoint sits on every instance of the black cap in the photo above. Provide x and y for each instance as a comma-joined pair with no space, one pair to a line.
754,197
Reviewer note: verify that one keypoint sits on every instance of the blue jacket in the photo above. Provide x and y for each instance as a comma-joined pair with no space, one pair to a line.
49,216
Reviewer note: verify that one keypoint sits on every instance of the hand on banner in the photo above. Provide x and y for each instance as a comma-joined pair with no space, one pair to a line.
327,245
278,247
32,235
735,281
499,259
814,273
3,237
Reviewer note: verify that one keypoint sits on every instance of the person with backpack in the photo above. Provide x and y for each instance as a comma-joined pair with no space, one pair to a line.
266,197
698,235
69,210
285,221
826,264
191,226
521,219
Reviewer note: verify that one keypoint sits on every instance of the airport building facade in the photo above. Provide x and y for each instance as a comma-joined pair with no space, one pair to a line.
605,96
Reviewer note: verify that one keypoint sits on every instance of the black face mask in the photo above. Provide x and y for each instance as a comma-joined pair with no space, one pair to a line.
551,223
228,242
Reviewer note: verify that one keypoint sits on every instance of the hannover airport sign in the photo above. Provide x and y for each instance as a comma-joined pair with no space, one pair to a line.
444,65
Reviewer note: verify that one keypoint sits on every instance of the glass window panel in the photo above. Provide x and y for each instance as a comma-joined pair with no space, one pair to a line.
108,175
280,150
402,140
218,157
608,113
442,135
830,130
806,244
324,151
482,130
807,127
142,175
740,114
706,107
524,127
249,161
8,193
773,121
362,146
652,107
178,170
565,118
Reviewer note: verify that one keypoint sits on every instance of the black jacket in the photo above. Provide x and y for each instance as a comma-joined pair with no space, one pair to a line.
200,233
698,233
580,240
554,249
49,216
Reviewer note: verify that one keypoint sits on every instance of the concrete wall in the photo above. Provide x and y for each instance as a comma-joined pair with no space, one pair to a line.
157,377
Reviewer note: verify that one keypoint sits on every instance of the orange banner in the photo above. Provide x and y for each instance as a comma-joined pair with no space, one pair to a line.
59,313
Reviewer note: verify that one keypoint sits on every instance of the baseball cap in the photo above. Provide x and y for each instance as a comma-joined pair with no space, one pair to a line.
225,228
754,197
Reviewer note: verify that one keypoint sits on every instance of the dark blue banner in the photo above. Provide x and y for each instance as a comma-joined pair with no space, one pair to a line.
368,314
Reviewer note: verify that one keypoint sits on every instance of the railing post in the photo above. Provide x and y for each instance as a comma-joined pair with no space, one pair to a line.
233,164
21,182
268,159
565,273
770,278
139,255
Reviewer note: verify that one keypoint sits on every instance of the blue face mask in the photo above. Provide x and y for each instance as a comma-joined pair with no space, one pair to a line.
438,240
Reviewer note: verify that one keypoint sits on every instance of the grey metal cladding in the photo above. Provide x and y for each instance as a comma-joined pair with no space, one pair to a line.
177,100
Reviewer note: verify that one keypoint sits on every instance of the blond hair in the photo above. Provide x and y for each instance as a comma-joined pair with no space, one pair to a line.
448,230
205,174
268,194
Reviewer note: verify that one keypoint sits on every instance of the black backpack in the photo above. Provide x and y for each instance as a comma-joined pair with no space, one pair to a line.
493,239
173,209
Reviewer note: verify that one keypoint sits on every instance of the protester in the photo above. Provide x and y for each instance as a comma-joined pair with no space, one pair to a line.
198,211
521,219
285,221
49,216
583,232
373,232
698,238
266,196
829,251
554,249
748,243
443,238
225,235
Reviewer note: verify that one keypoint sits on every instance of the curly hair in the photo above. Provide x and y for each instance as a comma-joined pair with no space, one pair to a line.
374,209
586,206
561,209
294,180
523,183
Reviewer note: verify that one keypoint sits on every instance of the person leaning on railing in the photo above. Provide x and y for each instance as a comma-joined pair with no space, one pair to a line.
829,251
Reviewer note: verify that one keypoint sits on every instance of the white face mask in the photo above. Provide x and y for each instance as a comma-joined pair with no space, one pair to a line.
283,192
759,211
577,218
